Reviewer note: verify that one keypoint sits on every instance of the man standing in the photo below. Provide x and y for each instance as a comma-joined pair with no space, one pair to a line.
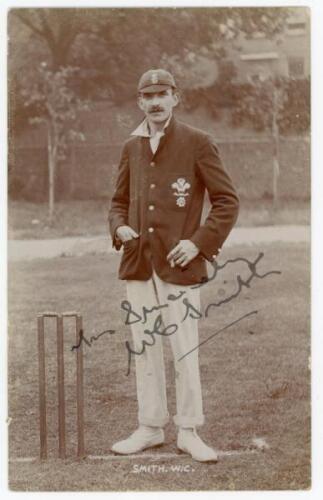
155,214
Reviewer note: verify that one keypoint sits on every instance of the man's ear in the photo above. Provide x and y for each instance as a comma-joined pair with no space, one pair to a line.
139,102
176,97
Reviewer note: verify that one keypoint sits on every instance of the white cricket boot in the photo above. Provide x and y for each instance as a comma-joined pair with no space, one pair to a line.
143,437
188,441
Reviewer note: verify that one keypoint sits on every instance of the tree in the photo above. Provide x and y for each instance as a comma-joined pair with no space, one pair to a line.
288,98
57,106
111,47
294,116
133,40
254,105
57,29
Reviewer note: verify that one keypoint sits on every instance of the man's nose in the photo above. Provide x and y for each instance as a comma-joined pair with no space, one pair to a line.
155,100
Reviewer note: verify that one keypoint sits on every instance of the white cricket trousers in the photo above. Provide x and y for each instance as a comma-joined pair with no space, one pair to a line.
150,368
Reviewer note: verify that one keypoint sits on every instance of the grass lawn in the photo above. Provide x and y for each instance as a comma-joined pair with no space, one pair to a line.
255,377
81,218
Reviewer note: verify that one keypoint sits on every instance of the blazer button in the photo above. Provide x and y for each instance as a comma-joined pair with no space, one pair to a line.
152,186
151,207
152,164
150,229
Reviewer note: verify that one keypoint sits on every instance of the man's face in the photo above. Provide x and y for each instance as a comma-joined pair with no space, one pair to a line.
157,106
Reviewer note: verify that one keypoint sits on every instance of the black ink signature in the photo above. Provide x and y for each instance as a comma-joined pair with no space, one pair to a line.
157,330
82,338
218,267
219,331
241,283
194,313
126,306
191,311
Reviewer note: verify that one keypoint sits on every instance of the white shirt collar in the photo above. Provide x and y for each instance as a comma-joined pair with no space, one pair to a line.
143,130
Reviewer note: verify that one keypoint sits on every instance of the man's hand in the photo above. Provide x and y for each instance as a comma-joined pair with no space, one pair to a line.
125,233
183,253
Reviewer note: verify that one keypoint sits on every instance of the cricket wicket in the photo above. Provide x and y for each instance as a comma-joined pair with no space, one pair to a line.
60,384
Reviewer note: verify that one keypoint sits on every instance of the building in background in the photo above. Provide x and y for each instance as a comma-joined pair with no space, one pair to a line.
287,54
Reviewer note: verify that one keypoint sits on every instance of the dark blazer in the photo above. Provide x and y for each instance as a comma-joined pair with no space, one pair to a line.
161,197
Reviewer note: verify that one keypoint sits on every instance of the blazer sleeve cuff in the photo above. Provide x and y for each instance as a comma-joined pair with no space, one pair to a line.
208,245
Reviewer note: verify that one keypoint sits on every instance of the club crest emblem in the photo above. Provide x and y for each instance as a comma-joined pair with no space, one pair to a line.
181,186
154,78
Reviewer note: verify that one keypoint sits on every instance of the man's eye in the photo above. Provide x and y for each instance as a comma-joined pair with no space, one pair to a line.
149,96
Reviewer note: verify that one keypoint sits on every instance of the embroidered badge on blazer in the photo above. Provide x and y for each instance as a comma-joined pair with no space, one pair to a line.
181,185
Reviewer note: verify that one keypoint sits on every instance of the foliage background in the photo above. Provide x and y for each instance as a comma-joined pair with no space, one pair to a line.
102,53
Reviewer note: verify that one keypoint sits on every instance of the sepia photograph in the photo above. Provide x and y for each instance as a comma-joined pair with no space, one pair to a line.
159,248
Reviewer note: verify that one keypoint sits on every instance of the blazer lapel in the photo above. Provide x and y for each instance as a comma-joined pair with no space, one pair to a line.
168,134
146,152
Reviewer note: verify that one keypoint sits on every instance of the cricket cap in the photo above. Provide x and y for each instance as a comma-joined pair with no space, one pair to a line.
155,80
